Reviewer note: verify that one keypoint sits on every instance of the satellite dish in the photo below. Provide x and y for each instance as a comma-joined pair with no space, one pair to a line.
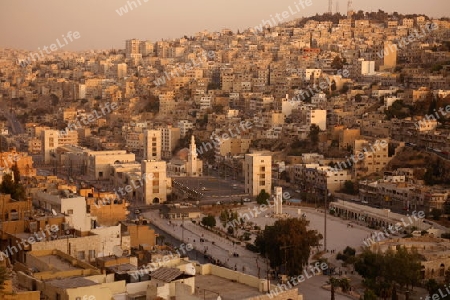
190,269
54,212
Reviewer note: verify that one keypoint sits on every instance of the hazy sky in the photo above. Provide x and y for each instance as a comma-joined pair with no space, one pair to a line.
29,24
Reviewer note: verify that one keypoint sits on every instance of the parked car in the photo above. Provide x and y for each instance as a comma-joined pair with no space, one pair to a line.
247,200
137,211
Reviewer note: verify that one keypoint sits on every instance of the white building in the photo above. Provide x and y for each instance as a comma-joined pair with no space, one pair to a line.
257,173
367,67
184,126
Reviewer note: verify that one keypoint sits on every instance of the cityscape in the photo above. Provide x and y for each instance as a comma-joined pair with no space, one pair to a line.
300,155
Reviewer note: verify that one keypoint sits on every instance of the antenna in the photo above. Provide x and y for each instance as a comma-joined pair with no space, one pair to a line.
337,6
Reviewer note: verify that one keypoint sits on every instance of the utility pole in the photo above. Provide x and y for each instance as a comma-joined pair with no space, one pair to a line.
325,220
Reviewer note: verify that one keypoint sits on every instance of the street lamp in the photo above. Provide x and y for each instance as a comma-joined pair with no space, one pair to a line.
325,219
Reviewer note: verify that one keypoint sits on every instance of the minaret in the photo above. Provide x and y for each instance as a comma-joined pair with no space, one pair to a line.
192,159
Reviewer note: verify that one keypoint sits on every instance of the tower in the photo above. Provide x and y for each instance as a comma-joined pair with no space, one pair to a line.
278,201
152,145
154,189
194,165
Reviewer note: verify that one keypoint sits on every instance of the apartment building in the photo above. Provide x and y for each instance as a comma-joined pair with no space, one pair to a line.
370,158
50,141
257,173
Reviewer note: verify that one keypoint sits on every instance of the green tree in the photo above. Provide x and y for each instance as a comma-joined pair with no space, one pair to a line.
337,63
226,216
209,221
15,189
287,244
16,172
350,188
262,197
369,295
383,271
436,213
314,134
4,275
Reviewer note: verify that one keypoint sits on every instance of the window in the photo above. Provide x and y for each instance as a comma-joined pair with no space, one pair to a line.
70,211
81,255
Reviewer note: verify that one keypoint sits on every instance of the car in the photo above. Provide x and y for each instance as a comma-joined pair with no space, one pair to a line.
137,211
364,202
218,202
297,191
247,200
203,188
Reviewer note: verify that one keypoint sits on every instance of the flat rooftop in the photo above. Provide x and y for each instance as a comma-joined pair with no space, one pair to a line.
73,282
57,263
209,285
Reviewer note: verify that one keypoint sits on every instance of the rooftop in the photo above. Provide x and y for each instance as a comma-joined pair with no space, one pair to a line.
209,285
73,282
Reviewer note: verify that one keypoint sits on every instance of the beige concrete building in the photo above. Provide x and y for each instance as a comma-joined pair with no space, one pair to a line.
348,136
257,173
169,137
49,143
233,146
99,162
152,144
155,188
23,160
434,250
370,158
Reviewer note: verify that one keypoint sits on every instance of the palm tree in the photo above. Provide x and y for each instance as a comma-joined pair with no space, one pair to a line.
344,283
334,283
